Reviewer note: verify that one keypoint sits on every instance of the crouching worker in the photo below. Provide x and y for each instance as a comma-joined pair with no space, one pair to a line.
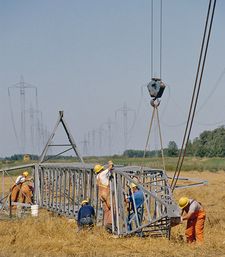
21,188
193,212
86,216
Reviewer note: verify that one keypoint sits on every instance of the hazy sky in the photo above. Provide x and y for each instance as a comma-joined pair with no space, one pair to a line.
90,57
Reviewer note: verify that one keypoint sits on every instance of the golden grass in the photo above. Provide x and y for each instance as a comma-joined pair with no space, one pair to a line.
51,235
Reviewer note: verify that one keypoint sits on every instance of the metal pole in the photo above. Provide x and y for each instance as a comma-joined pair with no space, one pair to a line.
73,192
112,207
69,182
37,185
64,193
3,184
10,204
60,191
117,208
56,190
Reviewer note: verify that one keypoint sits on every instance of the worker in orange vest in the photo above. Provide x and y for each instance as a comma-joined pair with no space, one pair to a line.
104,192
194,213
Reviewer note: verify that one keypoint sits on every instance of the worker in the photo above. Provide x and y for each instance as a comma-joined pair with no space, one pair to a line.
136,208
17,186
86,215
193,212
20,186
104,192
27,191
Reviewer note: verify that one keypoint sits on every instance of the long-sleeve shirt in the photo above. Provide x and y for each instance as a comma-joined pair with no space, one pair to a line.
85,211
138,198
103,178
20,179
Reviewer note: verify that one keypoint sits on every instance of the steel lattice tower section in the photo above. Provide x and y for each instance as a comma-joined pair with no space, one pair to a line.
61,187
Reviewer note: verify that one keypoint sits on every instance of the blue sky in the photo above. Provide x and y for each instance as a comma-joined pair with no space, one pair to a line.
88,58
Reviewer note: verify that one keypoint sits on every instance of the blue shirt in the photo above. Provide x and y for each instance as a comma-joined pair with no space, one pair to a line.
138,198
85,211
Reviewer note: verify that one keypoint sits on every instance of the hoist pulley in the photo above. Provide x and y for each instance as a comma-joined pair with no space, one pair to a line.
156,88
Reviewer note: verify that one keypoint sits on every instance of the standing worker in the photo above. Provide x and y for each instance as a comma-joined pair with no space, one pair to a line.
86,215
104,192
193,212
136,198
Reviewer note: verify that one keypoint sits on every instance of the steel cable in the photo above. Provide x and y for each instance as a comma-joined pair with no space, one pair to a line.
195,95
160,51
152,41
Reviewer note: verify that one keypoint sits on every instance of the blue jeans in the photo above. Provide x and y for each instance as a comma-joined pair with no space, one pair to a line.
132,217
86,221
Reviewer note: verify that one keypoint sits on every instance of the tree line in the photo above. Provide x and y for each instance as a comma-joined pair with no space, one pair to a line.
208,144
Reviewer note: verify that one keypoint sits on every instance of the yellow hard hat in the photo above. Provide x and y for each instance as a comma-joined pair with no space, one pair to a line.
132,185
98,168
25,173
84,202
183,202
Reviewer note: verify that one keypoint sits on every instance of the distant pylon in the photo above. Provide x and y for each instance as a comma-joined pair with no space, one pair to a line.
125,110
22,86
85,145
109,124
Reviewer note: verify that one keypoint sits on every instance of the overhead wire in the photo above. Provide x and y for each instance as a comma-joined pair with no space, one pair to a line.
213,90
195,95
137,113
13,120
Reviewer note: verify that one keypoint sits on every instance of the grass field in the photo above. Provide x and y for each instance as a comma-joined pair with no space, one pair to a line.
50,235
190,163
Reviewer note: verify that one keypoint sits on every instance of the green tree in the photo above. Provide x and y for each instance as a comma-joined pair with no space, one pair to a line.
172,149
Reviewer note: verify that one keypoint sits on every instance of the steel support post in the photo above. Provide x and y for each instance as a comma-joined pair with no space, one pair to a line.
3,184
37,195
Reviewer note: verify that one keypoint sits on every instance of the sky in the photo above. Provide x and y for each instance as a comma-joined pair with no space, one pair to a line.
90,58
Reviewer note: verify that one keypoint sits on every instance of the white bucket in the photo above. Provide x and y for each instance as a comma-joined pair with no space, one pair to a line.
34,210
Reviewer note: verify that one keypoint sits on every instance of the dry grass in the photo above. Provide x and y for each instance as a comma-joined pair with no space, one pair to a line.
49,235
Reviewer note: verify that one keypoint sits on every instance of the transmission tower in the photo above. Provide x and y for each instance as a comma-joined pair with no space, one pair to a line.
93,135
85,145
22,87
125,110
100,135
32,127
109,124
